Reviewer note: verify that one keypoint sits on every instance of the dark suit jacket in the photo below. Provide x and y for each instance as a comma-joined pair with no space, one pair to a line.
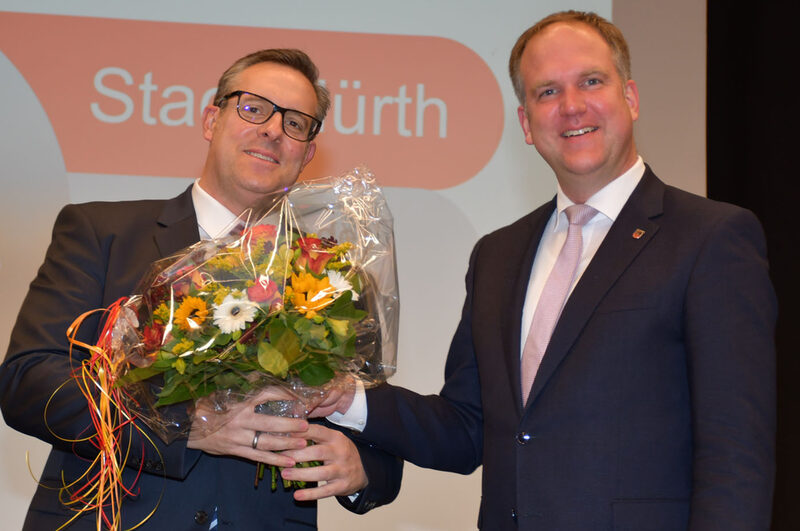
654,405
98,253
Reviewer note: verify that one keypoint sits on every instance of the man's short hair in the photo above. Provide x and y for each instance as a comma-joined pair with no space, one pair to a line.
610,33
290,57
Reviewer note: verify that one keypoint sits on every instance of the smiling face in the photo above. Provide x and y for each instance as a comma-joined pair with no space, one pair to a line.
578,111
245,161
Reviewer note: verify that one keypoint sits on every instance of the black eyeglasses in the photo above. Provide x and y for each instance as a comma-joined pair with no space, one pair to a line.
258,109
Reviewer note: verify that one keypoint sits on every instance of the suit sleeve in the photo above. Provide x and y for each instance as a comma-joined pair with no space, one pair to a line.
729,329
37,395
441,431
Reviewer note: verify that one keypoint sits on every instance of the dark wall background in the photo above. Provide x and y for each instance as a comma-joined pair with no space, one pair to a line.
752,141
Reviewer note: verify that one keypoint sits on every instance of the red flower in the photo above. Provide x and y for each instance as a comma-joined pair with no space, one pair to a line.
152,336
185,278
180,288
263,291
183,271
313,255
263,232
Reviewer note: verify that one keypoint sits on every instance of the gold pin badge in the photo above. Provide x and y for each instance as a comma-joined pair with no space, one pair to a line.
638,233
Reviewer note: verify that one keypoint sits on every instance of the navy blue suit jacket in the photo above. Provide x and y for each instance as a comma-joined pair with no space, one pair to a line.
654,405
98,253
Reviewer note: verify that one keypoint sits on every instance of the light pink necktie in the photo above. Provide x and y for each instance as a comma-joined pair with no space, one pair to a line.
554,294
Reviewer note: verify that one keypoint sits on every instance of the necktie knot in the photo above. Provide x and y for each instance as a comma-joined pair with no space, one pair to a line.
579,214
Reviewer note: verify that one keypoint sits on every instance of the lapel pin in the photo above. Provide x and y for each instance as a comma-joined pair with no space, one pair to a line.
638,233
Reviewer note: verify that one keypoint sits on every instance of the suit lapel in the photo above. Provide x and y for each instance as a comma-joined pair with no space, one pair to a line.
631,232
177,225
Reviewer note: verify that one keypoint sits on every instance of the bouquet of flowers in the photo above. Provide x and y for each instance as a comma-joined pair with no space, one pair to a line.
297,297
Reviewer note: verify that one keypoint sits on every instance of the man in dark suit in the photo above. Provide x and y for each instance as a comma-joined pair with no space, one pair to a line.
651,405
260,128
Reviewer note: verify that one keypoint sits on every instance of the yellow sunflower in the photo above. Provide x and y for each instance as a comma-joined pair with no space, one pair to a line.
191,313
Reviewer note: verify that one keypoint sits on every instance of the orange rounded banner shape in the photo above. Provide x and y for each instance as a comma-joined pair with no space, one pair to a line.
125,96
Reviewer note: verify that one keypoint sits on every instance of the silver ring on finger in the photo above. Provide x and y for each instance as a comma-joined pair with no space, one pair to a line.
255,439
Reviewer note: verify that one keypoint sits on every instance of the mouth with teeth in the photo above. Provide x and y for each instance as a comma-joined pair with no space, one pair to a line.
262,156
579,132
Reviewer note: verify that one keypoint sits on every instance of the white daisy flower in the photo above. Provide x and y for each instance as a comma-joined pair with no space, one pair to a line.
340,284
234,314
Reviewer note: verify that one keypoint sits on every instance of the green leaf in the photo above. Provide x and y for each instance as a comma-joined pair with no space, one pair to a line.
342,301
179,394
343,308
285,340
302,326
350,347
138,374
338,350
201,386
222,339
340,327
228,380
180,365
272,360
199,358
164,355
316,375
173,382
310,331
355,281
325,344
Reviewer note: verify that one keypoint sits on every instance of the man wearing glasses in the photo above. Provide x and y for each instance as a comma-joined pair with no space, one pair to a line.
260,128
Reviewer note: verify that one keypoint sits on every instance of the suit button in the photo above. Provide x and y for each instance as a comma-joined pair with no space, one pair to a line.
201,517
524,437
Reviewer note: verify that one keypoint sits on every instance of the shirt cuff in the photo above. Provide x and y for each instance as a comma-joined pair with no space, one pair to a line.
355,417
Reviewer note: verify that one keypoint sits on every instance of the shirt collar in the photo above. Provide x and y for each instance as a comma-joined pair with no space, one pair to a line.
610,199
212,217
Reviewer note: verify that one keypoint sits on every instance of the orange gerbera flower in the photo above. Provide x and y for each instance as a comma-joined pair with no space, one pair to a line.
311,294
191,313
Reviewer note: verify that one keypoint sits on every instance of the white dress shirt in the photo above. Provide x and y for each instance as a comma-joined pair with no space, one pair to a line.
213,218
608,201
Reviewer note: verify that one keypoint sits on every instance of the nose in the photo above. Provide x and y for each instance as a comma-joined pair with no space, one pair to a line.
273,127
572,102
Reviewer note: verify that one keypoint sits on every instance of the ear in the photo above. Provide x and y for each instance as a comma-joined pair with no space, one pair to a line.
632,97
310,150
526,125
210,115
